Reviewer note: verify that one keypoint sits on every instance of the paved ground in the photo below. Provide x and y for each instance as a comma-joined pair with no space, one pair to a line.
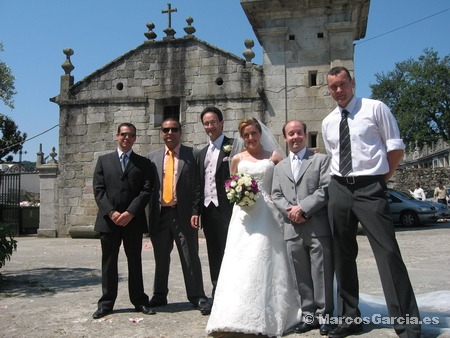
51,286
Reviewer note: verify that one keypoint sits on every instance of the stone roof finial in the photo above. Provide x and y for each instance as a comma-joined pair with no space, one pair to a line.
150,35
67,65
170,32
248,53
190,30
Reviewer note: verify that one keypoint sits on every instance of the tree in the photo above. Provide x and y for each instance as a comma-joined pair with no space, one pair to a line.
12,139
417,91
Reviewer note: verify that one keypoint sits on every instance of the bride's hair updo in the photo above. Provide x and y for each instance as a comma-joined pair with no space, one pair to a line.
249,122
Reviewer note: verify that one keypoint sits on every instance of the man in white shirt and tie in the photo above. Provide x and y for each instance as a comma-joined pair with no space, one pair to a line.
358,194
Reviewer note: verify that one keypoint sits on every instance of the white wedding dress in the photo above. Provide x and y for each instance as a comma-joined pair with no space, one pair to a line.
255,292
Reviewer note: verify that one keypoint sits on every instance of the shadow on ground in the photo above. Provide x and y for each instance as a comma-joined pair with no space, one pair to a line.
43,281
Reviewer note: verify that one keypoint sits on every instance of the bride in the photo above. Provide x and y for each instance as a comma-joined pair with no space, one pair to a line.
255,292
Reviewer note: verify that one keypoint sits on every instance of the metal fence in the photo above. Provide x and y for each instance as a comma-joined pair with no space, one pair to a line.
10,200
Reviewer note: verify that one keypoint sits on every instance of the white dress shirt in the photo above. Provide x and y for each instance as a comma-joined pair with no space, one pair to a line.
373,133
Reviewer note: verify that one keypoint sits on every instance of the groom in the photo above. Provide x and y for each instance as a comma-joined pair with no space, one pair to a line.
210,199
299,191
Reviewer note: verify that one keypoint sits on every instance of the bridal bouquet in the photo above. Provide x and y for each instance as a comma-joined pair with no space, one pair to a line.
241,188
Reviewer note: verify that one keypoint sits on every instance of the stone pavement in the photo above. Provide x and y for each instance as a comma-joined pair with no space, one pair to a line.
51,286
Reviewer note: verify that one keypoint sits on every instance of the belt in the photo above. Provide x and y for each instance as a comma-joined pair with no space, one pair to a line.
350,180
169,206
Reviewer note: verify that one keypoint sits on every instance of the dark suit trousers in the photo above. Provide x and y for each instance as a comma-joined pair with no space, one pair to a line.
215,227
186,238
132,244
365,202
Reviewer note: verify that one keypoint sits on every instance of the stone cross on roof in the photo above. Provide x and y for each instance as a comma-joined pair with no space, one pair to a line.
169,30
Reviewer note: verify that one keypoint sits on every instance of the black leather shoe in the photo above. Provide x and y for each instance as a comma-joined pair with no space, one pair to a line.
155,302
325,328
101,312
203,306
344,331
146,310
305,327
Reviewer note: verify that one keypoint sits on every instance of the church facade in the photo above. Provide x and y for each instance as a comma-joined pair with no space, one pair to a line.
179,76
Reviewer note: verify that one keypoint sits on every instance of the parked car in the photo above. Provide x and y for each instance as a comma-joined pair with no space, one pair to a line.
410,212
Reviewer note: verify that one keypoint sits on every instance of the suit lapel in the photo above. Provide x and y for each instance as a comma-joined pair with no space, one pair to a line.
222,154
181,162
287,168
159,160
306,162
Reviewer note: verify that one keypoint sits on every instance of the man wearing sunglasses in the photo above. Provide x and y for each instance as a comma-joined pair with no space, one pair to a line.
123,182
170,217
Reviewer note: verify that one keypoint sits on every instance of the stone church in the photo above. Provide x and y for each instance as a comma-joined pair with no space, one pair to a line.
180,75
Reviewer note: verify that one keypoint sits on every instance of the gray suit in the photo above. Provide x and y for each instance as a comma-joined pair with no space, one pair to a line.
173,224
309,244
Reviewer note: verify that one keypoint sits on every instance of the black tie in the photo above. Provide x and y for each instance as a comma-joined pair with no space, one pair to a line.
345,149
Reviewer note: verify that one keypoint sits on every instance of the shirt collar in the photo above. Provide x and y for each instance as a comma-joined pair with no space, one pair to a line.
120,152
300,154
218,142
176,150
350,107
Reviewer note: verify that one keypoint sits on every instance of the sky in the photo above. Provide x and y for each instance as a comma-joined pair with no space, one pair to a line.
34,33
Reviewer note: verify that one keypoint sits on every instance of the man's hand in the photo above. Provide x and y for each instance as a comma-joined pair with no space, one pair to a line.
295,214
123,218
195,221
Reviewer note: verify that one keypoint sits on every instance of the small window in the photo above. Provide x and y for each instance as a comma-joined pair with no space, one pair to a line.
320,35
312,78
171,111
312,140
291,37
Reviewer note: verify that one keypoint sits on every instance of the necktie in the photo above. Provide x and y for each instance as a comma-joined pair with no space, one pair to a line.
296,166
209,154
123,161
345,149
168,178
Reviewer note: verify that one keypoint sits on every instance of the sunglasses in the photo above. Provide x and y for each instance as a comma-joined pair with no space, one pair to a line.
174,130
131,135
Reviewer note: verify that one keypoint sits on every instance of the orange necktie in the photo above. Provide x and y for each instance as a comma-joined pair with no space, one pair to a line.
168,178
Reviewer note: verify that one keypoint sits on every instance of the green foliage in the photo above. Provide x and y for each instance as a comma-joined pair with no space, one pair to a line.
7,243
12,139
417,91
7,89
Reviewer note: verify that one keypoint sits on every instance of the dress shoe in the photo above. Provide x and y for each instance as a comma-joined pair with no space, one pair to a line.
305,327
155,302
344,331
204,306
101,312
145,309
325,328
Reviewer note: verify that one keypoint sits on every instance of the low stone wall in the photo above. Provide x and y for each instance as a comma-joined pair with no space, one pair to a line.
405,179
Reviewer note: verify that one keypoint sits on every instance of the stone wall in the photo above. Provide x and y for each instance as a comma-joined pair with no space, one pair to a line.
405,179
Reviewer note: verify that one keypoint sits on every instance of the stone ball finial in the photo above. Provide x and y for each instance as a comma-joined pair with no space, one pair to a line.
248,53
150,35
189,29
67,65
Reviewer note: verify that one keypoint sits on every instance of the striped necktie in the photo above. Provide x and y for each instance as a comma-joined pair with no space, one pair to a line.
345,149
123,161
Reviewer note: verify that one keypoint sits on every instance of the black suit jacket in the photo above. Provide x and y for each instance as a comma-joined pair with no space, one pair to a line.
130,190
222,174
